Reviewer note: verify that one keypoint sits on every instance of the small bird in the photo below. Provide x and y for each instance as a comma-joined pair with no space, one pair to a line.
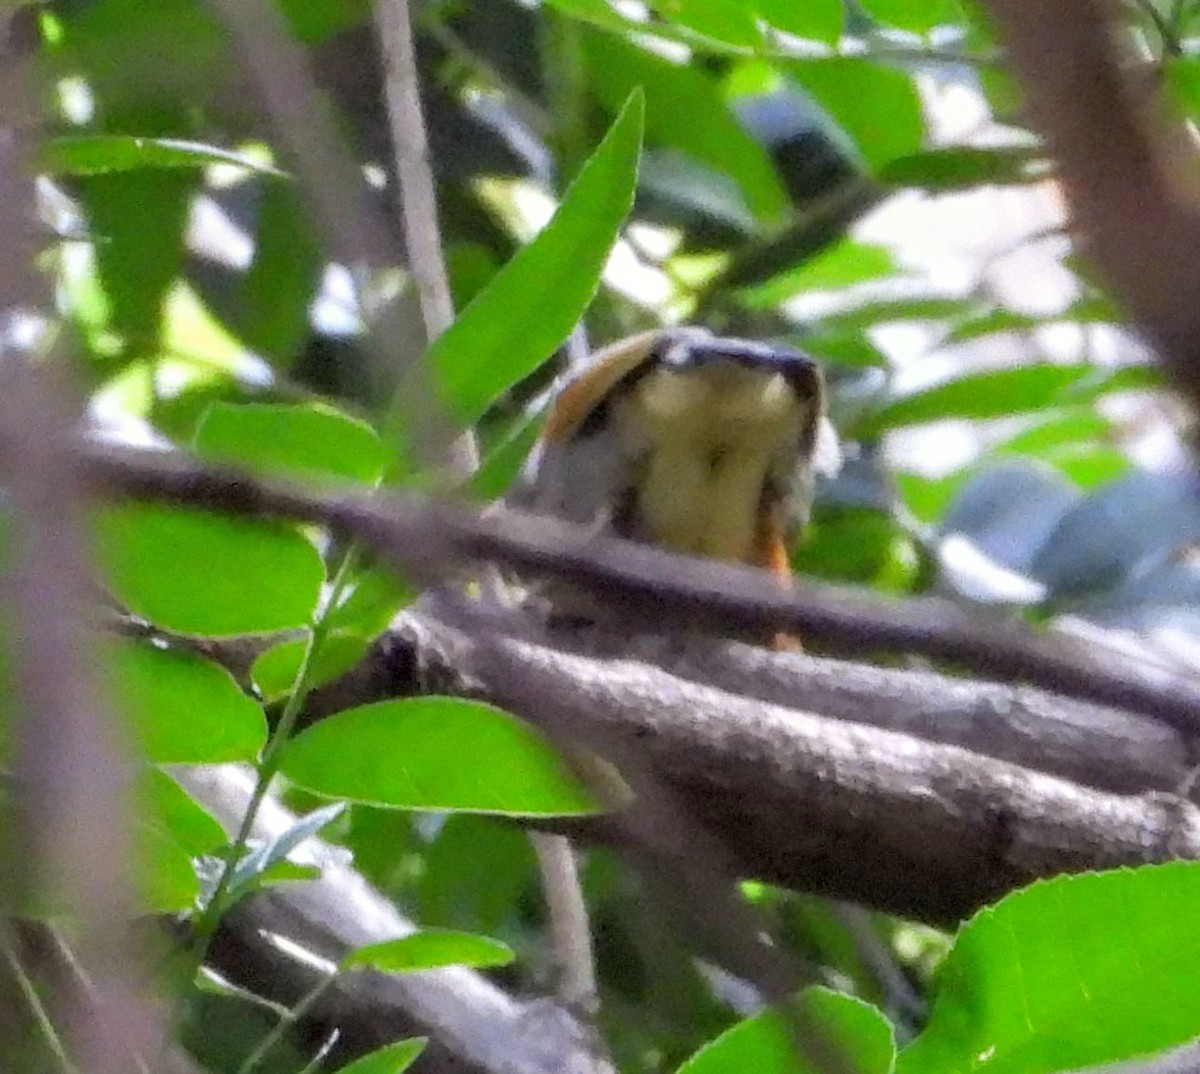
683,439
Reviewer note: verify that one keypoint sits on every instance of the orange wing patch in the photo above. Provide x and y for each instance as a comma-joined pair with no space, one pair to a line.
771,553
580,396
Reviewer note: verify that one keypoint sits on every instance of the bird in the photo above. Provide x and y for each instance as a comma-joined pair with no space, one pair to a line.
697,443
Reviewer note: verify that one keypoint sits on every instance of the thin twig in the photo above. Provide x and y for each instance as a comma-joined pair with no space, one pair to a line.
411,147
570,928
565,904
38,1009
272,758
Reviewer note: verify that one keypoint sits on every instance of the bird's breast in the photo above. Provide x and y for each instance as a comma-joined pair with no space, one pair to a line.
711,438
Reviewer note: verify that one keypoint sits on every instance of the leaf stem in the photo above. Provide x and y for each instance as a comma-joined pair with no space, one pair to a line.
273,755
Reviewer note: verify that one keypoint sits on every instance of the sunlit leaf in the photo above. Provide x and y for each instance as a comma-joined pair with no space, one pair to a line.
200,573
817,20
991,394
841,265
275,669
877,107
917,16
184,709
307,440
166,804
515,323
963,166
772,1042
390,1059
1069,973
434,753
686,111
94,154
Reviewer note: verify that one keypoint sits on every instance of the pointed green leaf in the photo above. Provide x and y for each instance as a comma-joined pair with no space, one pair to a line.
166,881
531,305
877,107
184,709
916,16
817,20
431,948
767,1042
275,669
992,394
93,154
1073,972
390,1059
294,440
166,804
687,111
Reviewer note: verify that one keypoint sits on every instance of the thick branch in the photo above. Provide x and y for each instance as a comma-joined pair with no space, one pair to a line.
914,827
430,542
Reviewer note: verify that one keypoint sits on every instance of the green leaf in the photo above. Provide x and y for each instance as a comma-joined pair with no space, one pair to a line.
767,1043
317,20
274,670
858,544
929,310
435,753
1059,428
916,16
390,1059
139,218
876,107
686,111
927,497
816,20
730,21
270,312
1072,972
531,304
502,464
306,440
993,394
841,265
96,154
1181,77
602,14
964,166
477,870
166,881
431,948
168,806
200,573
183,708
256,868
1090,468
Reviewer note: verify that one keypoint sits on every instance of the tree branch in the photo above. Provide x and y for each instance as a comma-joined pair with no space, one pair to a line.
475,1027
917,828
1120,167
429,542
